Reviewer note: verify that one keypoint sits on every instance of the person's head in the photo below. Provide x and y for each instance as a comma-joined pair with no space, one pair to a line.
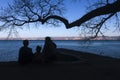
25,43
38,48
48,39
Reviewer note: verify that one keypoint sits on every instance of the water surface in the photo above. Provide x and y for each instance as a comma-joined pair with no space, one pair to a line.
9,48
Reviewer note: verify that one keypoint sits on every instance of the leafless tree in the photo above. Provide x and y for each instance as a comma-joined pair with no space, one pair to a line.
22,12
92,22
49,11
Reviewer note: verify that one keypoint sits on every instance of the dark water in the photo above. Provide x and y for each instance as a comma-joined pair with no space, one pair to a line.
9,48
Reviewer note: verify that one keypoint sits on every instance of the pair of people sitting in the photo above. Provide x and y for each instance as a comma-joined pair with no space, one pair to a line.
48,54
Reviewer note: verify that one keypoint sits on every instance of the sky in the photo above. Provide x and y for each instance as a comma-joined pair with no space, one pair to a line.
74,10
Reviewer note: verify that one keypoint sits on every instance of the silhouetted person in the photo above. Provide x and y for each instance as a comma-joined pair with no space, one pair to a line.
37,55
25,53
49,50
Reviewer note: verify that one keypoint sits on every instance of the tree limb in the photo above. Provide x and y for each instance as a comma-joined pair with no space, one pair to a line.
110,8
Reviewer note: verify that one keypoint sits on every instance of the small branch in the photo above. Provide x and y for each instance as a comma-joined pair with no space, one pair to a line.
99,25
65,21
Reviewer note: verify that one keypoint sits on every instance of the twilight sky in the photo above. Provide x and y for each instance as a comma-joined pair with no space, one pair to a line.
74,10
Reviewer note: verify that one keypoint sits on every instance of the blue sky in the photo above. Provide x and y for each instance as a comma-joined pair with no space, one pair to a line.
75,10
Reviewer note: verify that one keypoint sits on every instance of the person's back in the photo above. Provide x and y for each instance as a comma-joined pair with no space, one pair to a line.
49,50
25,53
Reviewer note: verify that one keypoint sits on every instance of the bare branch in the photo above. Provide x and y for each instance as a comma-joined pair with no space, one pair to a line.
30,11
111,8
50,12
107,9
94,28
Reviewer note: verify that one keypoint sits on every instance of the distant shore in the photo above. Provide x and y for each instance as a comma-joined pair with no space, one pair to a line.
64,38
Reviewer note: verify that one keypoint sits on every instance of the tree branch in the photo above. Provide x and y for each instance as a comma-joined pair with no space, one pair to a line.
65,21
110,8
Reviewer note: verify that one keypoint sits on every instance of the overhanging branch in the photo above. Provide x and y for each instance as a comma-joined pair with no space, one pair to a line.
110,8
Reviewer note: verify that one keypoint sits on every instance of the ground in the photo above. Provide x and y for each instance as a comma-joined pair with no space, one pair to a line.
90,67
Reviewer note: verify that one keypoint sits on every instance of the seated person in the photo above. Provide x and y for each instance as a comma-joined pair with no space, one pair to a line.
37,55
49,50
25,54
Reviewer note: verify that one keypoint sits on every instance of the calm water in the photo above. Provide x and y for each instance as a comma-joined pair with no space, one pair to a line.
9,49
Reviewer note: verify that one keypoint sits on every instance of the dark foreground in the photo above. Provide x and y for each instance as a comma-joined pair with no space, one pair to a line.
91,67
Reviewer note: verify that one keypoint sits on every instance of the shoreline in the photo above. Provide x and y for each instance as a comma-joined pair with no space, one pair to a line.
96,68
80,55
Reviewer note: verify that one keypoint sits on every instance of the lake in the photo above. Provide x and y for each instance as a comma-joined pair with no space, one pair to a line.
9,48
